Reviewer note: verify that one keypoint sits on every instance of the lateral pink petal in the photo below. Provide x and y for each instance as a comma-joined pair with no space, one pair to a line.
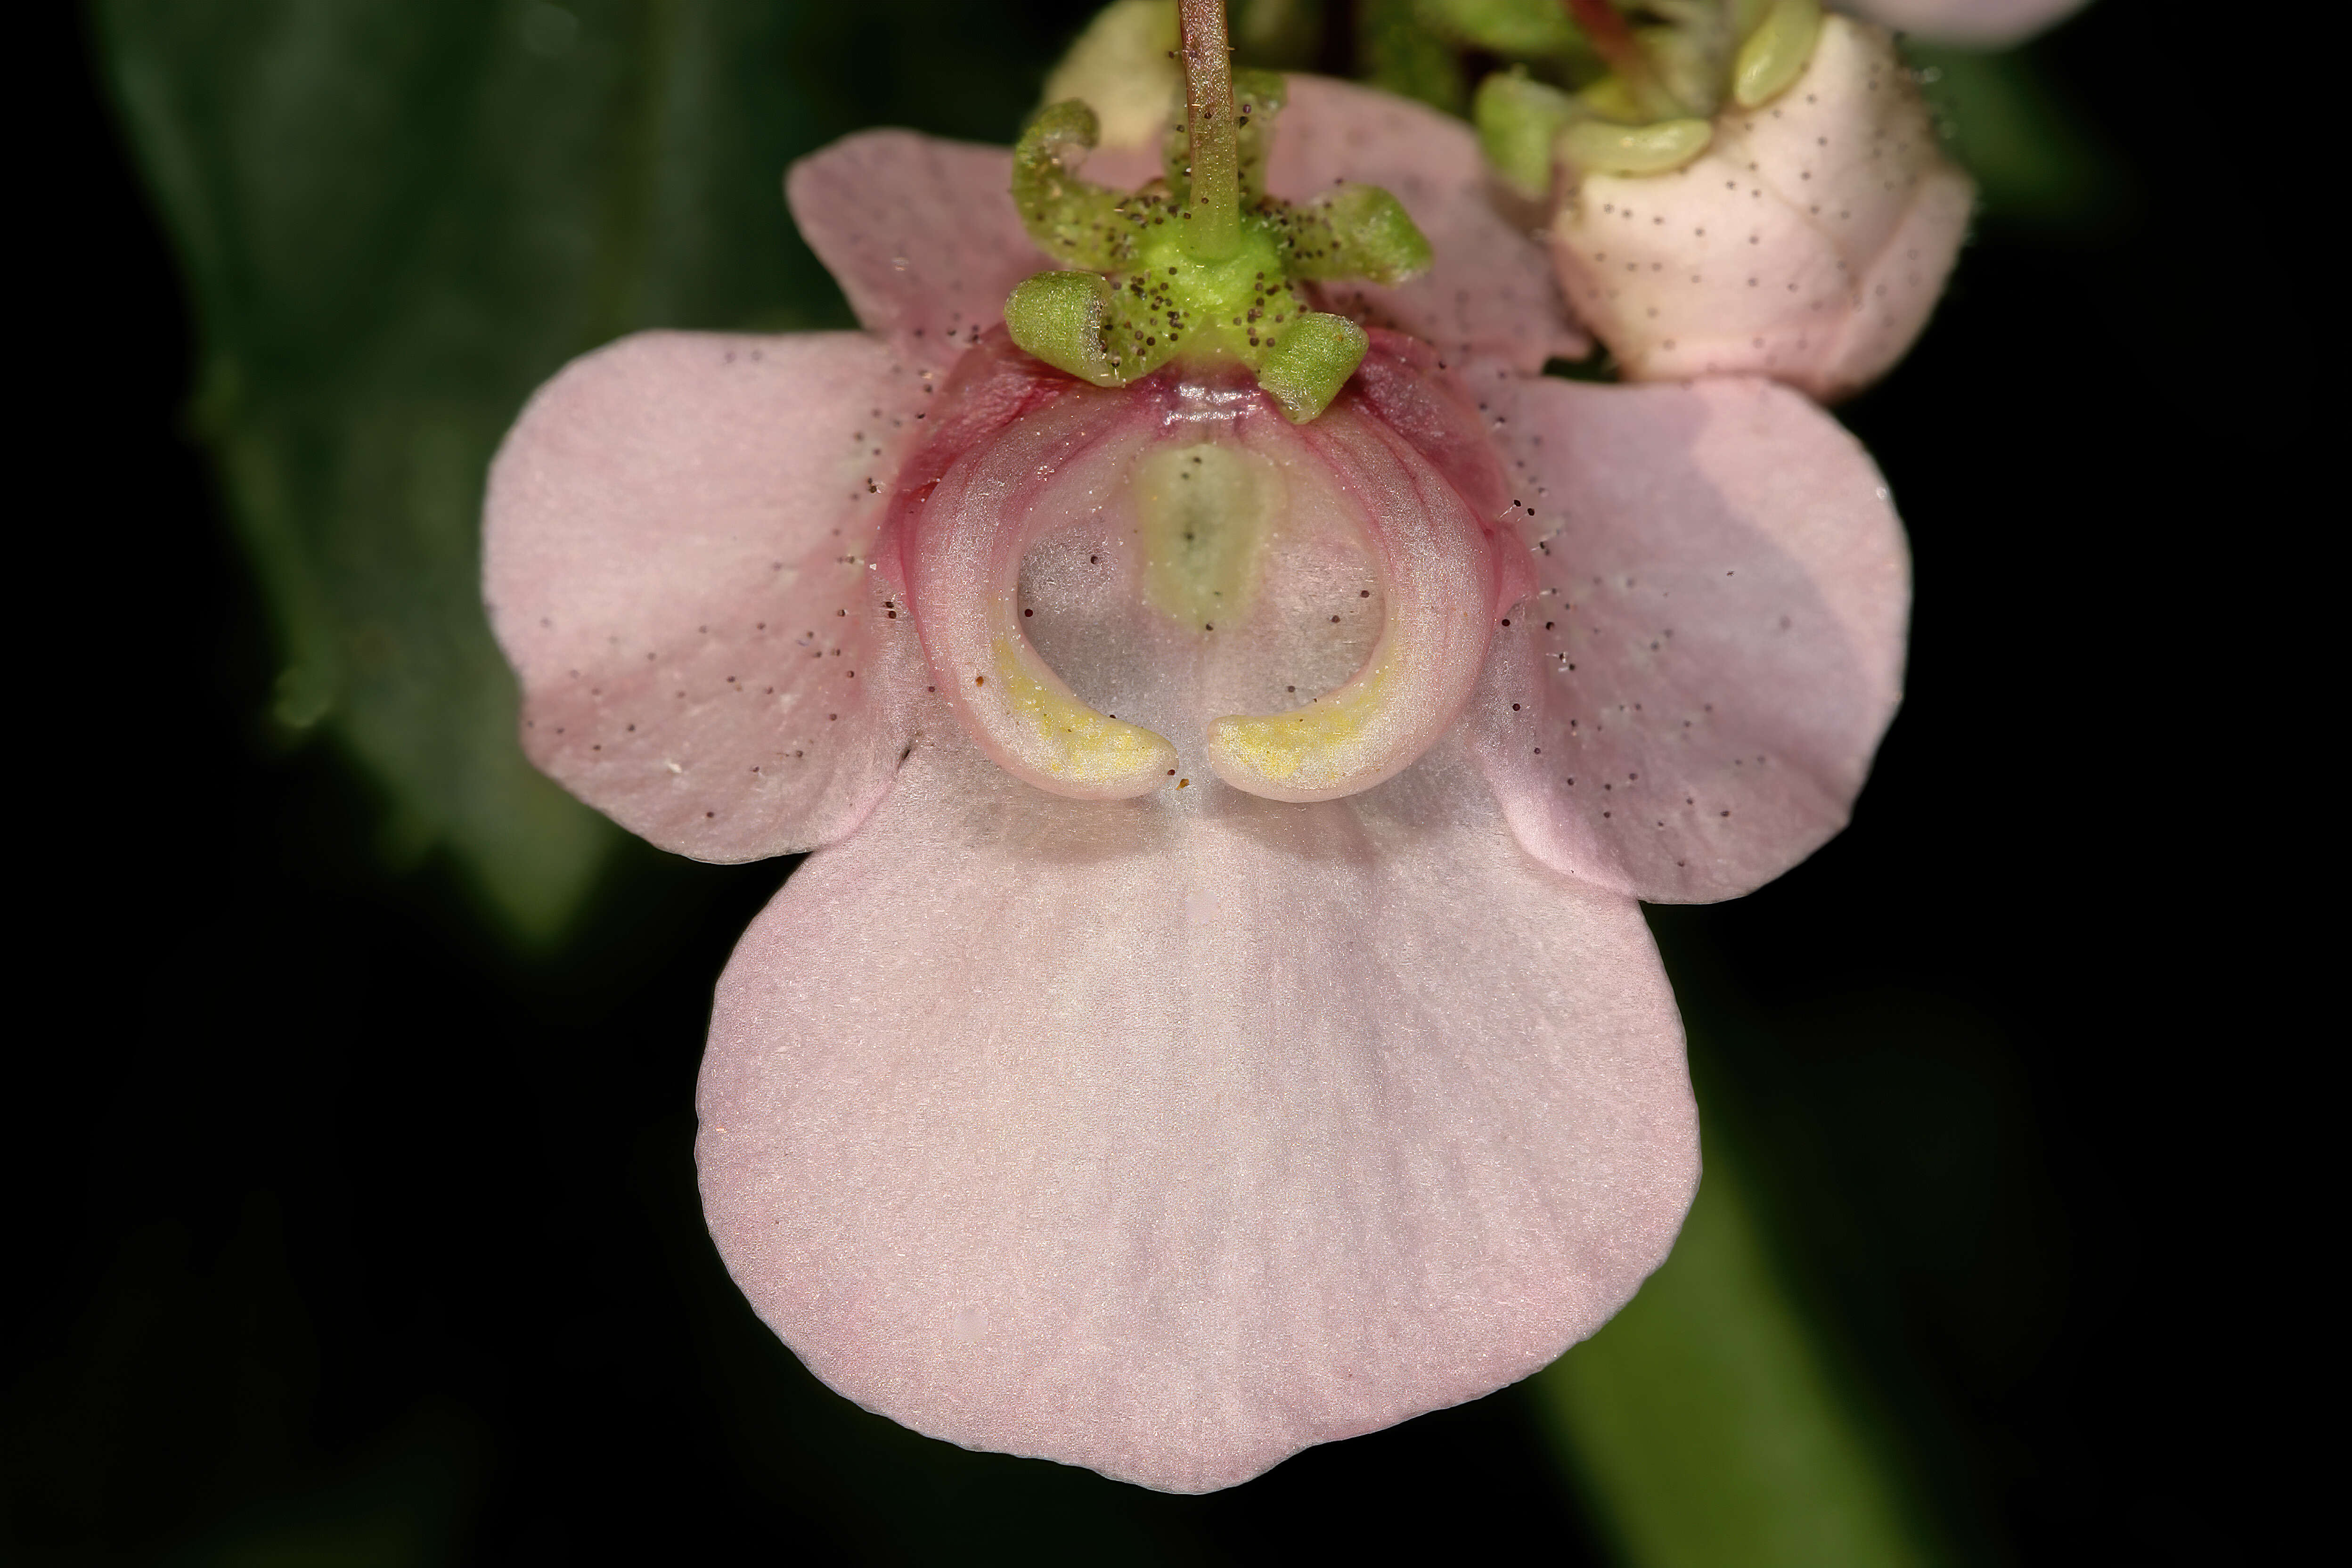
920,234
1169,1136
1689,704
1492,293
675,558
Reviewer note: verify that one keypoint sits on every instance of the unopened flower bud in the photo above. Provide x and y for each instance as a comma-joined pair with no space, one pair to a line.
1983,24
1123,66
1808,242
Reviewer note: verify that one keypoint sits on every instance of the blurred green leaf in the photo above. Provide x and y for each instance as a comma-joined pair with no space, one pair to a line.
1705,1421
1277,35
1397,50
397,217
2035,159
1516,30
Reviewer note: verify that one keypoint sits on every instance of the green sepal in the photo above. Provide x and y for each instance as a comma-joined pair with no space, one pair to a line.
1396,50
1258,100
1689,70
1777,52
1311,362
1598,147
1518,119
1059,317
1357,231
1069,218
1164,299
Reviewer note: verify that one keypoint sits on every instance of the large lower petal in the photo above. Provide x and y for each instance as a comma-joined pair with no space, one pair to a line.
676,551
921,235
1689,704
1170,1136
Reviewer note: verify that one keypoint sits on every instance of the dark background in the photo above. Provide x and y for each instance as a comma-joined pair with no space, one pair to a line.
343,1234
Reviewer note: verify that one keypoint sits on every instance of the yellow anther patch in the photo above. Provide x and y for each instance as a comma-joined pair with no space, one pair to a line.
1320,746
1071,740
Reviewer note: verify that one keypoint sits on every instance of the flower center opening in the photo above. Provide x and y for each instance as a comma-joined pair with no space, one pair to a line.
1120,589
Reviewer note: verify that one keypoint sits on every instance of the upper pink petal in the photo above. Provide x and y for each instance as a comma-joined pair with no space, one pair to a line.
1491,293
1990,24
676,558
1690,704
920,234
1168,1137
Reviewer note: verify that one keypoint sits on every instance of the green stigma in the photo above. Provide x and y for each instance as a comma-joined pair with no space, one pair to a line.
1200,266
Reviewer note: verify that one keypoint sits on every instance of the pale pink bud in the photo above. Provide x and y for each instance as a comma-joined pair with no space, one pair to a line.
1808,242
1986,24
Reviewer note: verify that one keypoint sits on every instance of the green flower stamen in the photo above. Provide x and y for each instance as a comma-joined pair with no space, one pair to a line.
1201,265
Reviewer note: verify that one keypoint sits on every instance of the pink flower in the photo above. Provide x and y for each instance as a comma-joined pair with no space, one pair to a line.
1170,1133
1808,242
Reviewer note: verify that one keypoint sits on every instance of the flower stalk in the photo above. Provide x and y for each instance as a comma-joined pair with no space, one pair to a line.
1613,39
1214,231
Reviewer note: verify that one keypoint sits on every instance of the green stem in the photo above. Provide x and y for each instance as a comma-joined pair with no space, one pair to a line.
1212,215
1613,39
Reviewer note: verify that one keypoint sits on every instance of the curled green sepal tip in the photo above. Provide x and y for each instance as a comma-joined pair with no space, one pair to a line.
1358,231
1518,119
1597,147
1061,317
1310,363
